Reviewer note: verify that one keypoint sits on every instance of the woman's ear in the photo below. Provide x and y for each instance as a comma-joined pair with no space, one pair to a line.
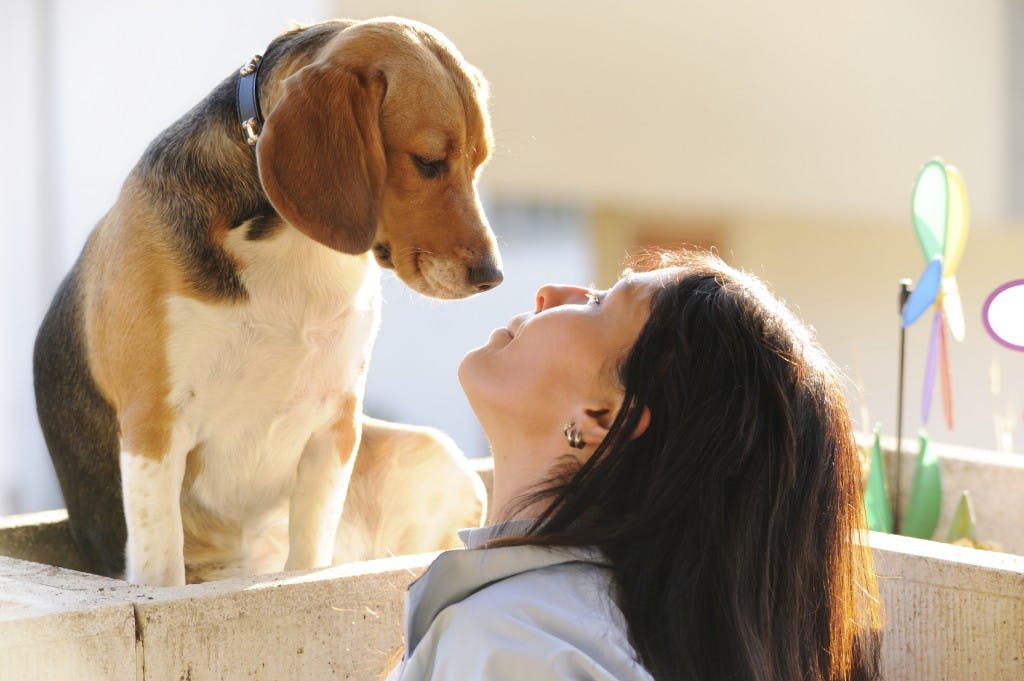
642,424
595,424
321,156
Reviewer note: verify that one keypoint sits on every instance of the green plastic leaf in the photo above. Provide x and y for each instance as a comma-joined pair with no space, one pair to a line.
962,524
925,495
876,499
930,205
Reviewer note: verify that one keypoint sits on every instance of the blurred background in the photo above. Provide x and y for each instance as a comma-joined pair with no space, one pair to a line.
787,135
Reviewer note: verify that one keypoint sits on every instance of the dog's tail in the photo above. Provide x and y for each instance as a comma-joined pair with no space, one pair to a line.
81,433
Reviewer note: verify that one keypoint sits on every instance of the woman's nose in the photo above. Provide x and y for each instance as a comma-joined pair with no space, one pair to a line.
553,295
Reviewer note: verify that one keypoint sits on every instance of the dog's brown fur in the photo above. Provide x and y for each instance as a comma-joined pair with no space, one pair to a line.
374,135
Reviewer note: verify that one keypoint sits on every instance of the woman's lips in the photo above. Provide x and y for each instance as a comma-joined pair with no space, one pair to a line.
513,326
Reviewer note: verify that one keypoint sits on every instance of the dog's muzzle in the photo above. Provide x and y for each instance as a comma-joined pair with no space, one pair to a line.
484,275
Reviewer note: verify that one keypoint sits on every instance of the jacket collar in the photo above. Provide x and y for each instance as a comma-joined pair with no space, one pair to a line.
476,537
456,575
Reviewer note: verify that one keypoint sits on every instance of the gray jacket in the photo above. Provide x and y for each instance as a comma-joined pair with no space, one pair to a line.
519,613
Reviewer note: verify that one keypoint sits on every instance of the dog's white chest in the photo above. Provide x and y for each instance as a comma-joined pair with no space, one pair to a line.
252,381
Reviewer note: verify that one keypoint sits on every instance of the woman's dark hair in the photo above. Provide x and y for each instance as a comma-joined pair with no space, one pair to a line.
734,523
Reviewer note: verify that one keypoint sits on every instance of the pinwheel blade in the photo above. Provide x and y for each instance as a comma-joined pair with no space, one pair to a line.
957,222
930,205
952,308
944,376
924,294
929,367
925,494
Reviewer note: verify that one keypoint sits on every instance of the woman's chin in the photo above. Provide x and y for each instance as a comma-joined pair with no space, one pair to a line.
475,369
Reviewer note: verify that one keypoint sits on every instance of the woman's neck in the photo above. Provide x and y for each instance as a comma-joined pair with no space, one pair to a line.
520,465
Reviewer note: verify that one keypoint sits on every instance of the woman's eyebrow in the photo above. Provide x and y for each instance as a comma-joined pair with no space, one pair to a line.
629,281
623,287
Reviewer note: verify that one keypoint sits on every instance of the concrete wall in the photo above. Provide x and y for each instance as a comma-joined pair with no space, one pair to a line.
344,622
951,613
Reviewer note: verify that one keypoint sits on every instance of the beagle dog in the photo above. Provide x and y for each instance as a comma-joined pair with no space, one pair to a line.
199,375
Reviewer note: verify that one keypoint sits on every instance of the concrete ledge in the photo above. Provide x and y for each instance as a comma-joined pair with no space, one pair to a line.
41,538
951,612
57,624
342,622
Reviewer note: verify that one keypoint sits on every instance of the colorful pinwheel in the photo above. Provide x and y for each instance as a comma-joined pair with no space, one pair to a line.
941,220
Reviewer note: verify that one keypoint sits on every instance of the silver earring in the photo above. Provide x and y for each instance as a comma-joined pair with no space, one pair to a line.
574,435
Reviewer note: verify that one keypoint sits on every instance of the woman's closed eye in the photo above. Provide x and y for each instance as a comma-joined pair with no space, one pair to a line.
594,298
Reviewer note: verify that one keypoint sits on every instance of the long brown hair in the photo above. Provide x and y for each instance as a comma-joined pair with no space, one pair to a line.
734,523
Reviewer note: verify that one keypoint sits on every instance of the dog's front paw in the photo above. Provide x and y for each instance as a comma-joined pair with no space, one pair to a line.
154,570
155,550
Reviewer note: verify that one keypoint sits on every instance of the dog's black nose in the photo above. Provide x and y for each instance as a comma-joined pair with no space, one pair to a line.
484,275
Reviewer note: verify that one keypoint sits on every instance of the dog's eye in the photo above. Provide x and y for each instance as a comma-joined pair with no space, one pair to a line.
429,169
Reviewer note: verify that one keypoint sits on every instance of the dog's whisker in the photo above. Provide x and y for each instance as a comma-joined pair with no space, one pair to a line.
412,250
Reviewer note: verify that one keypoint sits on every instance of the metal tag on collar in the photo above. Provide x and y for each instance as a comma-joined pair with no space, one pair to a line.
252,131
250,67
248,100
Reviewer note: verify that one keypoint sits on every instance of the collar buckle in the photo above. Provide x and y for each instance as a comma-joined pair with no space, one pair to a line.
251,130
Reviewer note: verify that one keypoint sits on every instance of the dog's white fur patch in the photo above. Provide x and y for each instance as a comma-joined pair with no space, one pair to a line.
314,513
257,385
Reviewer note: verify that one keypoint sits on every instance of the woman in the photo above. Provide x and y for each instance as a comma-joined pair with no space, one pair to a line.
678,490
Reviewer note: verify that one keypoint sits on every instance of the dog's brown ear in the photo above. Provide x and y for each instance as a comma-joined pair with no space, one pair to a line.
321,157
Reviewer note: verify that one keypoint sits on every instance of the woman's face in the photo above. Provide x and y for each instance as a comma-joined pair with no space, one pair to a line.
547,365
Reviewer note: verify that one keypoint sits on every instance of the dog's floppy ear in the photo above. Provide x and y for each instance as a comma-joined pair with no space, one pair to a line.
321,157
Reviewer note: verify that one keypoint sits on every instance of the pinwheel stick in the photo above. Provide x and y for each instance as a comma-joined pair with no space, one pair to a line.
896,506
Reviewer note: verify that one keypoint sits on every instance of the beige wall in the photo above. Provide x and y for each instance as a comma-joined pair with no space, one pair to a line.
793,105
850,294
787,132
